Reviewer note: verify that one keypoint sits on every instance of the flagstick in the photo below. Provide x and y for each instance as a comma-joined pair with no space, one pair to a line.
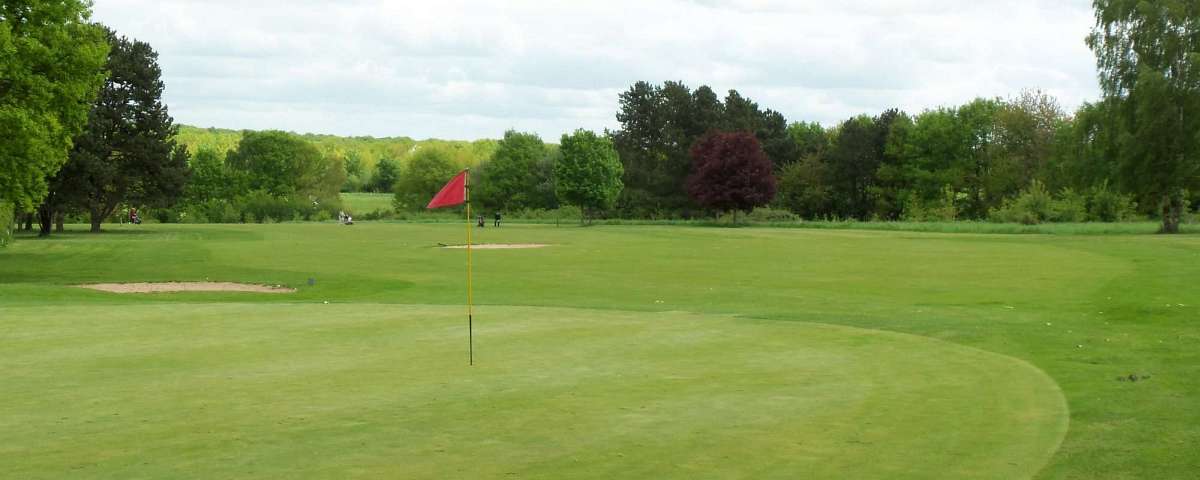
470,300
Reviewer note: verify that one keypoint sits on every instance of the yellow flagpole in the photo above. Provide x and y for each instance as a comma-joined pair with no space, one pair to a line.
470,299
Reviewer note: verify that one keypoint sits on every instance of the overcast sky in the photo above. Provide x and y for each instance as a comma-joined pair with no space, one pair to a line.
472,69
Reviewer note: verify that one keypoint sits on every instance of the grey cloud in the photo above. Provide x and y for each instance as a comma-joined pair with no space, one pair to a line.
463,69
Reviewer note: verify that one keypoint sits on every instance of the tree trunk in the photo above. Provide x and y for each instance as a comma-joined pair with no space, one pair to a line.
28,222
45,220
97,217
58,222
1172,212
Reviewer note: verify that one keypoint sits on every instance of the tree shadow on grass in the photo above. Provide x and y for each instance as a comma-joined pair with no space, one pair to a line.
74,234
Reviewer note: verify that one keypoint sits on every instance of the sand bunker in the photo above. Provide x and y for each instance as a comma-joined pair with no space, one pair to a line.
498,246
187,287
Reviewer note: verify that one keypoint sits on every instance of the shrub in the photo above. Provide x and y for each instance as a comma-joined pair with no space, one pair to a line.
1035,205
262,207
1070,207
210,211
547,214
166,215
944,209
767,214
1105,205
380,214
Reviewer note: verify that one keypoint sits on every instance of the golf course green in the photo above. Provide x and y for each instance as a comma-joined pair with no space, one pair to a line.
613,352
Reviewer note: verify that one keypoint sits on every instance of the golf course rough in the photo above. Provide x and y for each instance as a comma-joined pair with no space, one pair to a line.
383,391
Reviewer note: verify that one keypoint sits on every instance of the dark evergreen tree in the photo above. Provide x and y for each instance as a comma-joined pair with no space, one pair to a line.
127,154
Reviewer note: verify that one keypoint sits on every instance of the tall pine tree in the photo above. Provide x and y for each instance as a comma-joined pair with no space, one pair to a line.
127,154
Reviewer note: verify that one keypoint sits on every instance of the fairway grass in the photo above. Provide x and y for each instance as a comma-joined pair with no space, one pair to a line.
383,391
364,203
622,351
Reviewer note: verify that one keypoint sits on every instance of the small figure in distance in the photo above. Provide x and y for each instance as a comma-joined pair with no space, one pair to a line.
497,219
133,217
479,222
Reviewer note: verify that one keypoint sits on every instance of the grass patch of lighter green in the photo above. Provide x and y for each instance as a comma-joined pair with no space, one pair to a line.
383,391
364,203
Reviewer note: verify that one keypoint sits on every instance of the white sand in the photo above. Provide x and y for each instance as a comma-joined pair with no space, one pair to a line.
498,246
186,287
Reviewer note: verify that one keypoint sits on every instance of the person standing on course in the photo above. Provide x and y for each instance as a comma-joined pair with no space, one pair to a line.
497,219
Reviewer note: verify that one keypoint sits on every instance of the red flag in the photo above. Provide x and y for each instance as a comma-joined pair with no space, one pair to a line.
454,193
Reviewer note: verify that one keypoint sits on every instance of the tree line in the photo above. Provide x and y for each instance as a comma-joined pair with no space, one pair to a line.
372,164
85,133
1135,152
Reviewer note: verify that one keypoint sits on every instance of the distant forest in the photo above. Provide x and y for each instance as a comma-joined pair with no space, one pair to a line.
361,155
1022,159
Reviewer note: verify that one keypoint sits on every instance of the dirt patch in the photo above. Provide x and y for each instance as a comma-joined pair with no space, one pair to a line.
166,287
498,246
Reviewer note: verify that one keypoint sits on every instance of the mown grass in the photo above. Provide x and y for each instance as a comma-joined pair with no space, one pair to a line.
1096,228
300,391
373,381
359,204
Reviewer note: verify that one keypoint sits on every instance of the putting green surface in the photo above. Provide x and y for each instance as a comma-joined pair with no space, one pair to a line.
384,391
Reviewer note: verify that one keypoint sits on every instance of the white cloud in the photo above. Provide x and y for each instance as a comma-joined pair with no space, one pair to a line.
471,69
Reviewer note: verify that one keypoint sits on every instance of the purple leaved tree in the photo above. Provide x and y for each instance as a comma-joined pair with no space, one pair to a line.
730,172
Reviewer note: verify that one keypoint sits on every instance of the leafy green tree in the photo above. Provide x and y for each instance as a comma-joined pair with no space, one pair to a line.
510,180
545,191
282,165
589,173
427,171
934,156
127,154
356,176
953,149
1150,72
387,172
51,68
1027,128
810,138
211,189
977,123
210,177
802,188
1085,151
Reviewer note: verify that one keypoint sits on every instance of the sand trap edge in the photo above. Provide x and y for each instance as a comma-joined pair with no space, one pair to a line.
174,287
498,246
